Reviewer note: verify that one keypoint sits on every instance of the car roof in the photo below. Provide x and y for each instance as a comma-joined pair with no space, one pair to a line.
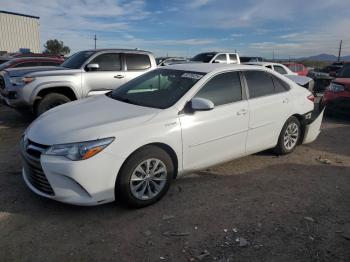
263,63
117,50
260,63
36,59
208,67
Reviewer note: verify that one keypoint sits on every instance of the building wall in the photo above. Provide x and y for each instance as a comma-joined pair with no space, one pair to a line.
19,32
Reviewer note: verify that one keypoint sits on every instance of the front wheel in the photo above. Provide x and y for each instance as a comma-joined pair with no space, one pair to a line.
289,137
145,177
50,101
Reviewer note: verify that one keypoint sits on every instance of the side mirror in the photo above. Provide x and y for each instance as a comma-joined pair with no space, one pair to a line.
92,67
201,104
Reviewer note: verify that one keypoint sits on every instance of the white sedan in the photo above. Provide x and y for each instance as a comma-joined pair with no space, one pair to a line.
132,142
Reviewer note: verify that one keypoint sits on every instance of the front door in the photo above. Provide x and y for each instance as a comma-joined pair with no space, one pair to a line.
107,77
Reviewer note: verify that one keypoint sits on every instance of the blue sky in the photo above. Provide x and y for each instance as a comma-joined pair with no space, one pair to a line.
293,28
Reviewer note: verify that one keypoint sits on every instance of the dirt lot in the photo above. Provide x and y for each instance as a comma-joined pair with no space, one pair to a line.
259,208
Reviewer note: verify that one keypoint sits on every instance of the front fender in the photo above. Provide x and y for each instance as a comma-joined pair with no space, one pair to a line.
53,84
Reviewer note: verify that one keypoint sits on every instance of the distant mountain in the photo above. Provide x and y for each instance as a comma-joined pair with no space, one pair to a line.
325,58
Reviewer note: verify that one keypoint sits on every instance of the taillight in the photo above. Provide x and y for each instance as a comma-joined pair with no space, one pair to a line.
311,98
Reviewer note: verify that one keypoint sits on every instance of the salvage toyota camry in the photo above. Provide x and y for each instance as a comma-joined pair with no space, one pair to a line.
132,142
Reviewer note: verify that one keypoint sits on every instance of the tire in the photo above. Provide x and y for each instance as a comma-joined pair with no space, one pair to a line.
50,101
289,137
142,191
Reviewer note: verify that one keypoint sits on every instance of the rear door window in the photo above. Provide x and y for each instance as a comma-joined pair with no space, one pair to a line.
280,69
280,85
222,89
259,83
137,62
107,62
233,58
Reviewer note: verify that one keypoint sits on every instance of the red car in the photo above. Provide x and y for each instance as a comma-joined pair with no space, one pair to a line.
300,69
30,62
337,94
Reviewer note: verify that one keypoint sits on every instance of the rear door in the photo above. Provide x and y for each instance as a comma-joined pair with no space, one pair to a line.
269,107
107,77
217,135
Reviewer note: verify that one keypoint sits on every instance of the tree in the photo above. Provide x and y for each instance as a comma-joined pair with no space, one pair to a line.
56,47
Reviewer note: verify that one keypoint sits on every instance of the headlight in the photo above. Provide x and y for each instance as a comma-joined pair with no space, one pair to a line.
336,88
28,79
16,81
79,151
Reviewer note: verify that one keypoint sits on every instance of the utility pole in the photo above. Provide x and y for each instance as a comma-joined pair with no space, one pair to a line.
273,55
339,54
95,39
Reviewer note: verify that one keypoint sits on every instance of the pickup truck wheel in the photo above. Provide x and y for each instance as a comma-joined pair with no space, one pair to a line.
289,137
50,101
145,177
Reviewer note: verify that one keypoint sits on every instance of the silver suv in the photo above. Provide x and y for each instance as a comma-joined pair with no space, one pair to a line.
85,73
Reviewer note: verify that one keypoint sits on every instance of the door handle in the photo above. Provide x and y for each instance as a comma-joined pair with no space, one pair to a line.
285,101
119,76
241,112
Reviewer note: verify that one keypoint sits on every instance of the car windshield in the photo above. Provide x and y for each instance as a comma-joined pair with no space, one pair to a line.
160,88
203,57
77,60
345,72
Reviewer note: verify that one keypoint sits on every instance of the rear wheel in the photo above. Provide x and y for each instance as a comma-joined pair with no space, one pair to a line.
145,177
50,101
289,136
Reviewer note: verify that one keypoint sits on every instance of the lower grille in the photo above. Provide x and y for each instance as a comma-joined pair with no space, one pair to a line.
31,153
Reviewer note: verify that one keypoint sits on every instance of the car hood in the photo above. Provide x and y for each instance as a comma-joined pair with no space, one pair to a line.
87,119
16,72
58,72
300,80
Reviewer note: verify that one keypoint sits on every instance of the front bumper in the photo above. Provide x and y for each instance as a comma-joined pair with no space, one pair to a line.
87,182
13,97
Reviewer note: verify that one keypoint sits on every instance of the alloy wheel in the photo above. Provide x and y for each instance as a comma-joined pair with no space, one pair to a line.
148,179
291,136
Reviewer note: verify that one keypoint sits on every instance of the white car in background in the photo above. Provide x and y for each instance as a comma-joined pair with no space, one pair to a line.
130,143
303,81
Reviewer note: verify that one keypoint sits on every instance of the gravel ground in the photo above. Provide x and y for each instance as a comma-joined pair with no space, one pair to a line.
258,208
